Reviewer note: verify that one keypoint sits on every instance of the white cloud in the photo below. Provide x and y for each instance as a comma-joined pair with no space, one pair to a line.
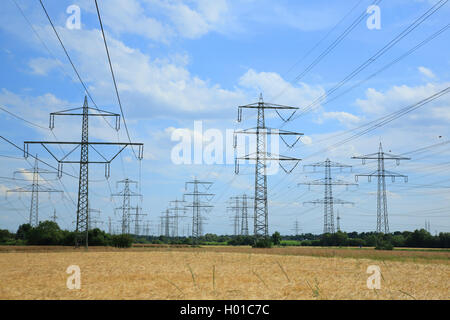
274,87
42,66
174,18
427,72
396,97
343,117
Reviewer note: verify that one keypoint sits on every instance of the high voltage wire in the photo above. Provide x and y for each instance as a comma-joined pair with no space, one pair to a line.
387,119
70,60
381,122
398,59
113,77
341,37
324,37
416,23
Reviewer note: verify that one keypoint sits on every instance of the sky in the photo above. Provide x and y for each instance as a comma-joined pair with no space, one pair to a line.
178,63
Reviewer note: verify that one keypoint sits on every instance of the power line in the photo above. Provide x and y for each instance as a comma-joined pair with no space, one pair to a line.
377,55
114,78
70,59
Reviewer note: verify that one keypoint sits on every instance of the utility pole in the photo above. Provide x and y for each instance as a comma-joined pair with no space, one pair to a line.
239,205
54,217
177,208
166,223
328,199
261,156
147,229
197,205
92,222
244,216
296,228
381,174
338,220
235,206
137,227
109,225
35,188
126,207
84,145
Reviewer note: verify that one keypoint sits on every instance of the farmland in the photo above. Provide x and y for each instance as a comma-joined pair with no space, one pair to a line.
222,273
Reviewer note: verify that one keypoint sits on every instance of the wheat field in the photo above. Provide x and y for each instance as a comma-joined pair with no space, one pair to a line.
215,274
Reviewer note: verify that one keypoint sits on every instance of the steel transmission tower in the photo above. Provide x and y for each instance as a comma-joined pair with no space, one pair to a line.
165,223
235,206
328,199
84,145
261,156
338,221
381,174
296,228
54,217
126,207
239,205
137,226
177,208
109,225
198,206
35,188
92,221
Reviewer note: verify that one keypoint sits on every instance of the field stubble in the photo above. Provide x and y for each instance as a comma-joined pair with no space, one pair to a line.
212,274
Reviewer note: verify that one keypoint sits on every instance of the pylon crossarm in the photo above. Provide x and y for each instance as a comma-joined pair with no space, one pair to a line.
266,105
90,144
282,118
290,146
292,168
269,131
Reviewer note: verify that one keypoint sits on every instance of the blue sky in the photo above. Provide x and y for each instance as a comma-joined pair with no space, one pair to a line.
181,61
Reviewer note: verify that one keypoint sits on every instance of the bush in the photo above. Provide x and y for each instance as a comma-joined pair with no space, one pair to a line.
122,241
384,245
6,236
23,231
276,238
46,233
263,243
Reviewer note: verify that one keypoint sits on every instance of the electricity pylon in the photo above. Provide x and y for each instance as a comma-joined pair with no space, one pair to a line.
177,209
166,223
35,188
296,228
84,145
235,206
328,200
92,221
239,205
126,207
198,206
381,174
137,226
261,156
338,221
109,225
54,217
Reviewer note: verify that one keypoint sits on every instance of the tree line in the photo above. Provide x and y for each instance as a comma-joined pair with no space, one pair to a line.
49,233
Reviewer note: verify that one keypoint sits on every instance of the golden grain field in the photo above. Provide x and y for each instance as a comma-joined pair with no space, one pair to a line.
216,274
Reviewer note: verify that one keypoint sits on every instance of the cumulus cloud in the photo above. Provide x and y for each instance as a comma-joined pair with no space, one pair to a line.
42,66
175,18
426,72
343,117
274,87
396,97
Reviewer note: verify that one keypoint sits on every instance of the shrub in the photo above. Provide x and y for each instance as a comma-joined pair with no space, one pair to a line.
263,243
384,245
122,241
46,233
